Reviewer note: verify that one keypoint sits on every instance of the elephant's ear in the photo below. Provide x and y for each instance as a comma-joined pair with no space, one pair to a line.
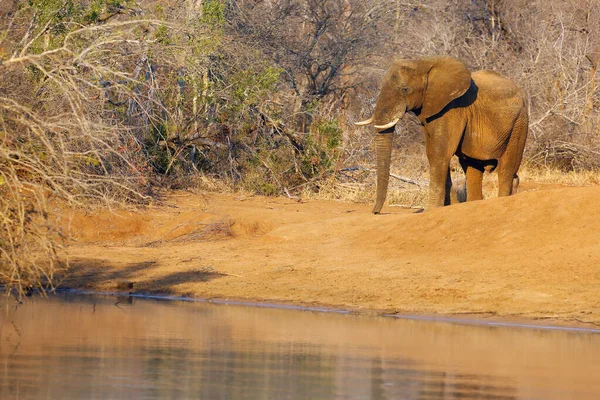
447,79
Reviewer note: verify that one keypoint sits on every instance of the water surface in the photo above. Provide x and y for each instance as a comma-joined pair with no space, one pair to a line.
105,347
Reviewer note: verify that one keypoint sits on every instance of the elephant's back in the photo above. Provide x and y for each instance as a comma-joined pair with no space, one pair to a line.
496,87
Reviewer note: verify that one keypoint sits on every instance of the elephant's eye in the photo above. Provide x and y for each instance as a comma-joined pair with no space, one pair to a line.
405,90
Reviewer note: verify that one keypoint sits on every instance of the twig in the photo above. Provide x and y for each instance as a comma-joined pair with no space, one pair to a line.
212,270
287,193
406,206
225,273
117,305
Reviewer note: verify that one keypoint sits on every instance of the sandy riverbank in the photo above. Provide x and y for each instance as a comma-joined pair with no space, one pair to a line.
535,255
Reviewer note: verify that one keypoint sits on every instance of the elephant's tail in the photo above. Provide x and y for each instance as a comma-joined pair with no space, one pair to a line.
516,181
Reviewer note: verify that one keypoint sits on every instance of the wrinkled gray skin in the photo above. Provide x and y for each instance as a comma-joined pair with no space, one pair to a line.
480,117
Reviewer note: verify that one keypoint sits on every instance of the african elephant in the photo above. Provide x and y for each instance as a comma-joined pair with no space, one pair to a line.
481,117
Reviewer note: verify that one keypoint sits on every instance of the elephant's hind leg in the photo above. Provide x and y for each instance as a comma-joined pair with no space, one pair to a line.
509,163
474,177
450,195
505,183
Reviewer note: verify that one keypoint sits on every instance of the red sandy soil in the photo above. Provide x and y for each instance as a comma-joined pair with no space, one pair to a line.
535,255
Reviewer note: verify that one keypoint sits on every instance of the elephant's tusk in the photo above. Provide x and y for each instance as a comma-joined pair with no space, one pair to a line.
388,125
365,122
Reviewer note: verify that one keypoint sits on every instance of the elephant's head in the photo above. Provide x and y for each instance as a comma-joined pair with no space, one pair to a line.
424,86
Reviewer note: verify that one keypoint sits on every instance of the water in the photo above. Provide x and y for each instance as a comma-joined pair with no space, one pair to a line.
86,347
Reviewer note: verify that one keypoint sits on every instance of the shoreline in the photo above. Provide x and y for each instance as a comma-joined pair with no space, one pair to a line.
474,319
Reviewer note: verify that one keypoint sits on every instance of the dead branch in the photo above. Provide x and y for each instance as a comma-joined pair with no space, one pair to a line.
421,183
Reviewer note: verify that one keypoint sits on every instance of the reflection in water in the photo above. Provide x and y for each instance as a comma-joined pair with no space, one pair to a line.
85,347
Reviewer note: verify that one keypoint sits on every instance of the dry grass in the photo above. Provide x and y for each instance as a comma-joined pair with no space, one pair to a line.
401,192
360,188
558,177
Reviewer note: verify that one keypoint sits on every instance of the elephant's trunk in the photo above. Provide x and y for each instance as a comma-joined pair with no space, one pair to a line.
383,144
385,118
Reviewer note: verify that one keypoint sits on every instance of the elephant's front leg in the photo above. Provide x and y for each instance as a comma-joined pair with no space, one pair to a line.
441,142
439,154
440,184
